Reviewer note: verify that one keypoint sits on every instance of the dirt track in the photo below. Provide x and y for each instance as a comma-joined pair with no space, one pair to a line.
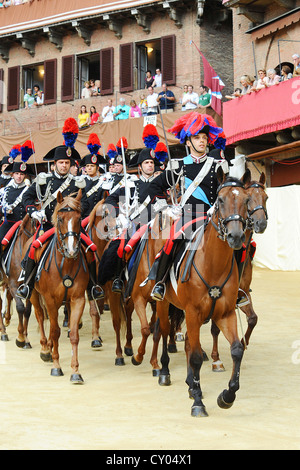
125,408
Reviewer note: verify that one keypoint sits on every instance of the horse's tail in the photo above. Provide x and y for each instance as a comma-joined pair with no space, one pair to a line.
177,315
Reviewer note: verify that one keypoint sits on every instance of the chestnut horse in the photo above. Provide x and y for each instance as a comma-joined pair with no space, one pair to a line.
64,281
11,283
211,291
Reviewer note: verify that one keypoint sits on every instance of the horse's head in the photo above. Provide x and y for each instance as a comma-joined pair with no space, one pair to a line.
231,210
257,210
67,219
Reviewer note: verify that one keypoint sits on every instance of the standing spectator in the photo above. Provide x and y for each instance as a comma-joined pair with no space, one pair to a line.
108,111
296,60
204,97
143,104
149,79
166,99
286,73
158,78
28,99
39,100
83,117
86,92
121,111
135,110
98,87
273,78
185,90
190,99
36,89
94,116
151,102
93,88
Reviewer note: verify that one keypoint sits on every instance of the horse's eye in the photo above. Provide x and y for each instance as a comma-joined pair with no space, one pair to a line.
221,200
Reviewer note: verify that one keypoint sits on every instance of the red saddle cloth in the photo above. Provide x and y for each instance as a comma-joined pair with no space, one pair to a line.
5,241
135,238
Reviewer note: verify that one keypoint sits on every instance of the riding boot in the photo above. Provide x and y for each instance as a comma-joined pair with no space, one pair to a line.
159,290
118,285
94,292
24,291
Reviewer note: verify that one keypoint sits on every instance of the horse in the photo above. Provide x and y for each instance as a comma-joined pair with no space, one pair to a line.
210,292
24,230
257,222
64,281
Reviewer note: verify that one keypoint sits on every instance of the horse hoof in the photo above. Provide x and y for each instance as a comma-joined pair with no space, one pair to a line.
128,351
156,372
96,344
218,366
56,372
199,411
134,361
172,348
76,379
4,337
164,380
119,361
27,345
20,344
46,357
222,403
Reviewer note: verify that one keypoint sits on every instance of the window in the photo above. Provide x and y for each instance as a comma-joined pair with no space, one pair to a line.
88,68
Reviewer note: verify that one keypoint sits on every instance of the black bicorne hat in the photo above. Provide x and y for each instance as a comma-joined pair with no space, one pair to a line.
19,167
62,152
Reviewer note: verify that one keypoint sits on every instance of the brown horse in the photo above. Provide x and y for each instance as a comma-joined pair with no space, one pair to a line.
211,290
257,221
11,283
64,281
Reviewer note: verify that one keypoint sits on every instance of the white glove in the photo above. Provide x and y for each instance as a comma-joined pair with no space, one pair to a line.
40,216
122,222
174,212
160,205
8,209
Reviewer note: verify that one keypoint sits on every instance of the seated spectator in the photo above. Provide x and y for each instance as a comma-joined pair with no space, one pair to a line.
83,117
158,78
121,111
286,73
190,99
151,102
273,78
94,116
185,90
28,99
86,92
135,110
166,99
247,84
108,111
143,104
296,60
236,94
149,80
204,97
39,100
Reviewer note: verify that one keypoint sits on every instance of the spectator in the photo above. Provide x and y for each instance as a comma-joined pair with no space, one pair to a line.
83,117
190,99
185,90
94,116
28,99
98,86
36,89
247,84
93,88
286,73
296,60
149,79
273,78
135,110
204,97
151,102
86,92
39,101
121,111
108,112
143,104
262,81
236,94
158,78
166,99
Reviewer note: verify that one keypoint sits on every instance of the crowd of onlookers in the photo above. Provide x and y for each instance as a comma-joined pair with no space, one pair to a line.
266,78
8,3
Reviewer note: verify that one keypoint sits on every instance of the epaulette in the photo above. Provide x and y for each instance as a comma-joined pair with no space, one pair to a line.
42,178
223,164
80,181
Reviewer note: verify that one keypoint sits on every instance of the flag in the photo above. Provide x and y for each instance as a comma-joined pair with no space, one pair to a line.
212,81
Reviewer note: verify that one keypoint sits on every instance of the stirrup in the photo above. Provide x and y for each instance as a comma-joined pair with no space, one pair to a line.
158,291
22,293
96,293
117,286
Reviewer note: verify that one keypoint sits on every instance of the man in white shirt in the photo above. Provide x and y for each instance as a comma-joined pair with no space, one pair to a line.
151,102
191,99
108,111
158,78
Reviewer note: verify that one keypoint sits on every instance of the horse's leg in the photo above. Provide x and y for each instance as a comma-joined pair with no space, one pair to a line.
117,316
153,359
4,336
6,306
162,310
217,365
172,348
20,307
228,326
128,350
77,306
45,353
251,318
140,308
27,313
54,336
95,316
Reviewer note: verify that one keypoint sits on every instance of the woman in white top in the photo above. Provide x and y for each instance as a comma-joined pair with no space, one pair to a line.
273,79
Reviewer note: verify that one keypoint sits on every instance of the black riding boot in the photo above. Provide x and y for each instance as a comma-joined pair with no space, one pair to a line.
94,291
118,285
159,290
25,290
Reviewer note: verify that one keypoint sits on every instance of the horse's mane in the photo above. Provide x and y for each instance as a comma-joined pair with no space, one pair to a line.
68,201
94,212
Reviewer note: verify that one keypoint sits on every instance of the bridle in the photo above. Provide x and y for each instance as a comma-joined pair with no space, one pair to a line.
61,245
257,208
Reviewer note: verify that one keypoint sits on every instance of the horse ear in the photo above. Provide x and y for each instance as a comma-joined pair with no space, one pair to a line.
59,197
79,195
105,194
247,176
262,178
220,175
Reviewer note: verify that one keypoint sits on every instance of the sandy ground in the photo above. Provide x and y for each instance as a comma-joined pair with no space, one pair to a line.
121,408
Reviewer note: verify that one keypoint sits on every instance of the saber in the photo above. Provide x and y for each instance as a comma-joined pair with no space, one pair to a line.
170,160
125,182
